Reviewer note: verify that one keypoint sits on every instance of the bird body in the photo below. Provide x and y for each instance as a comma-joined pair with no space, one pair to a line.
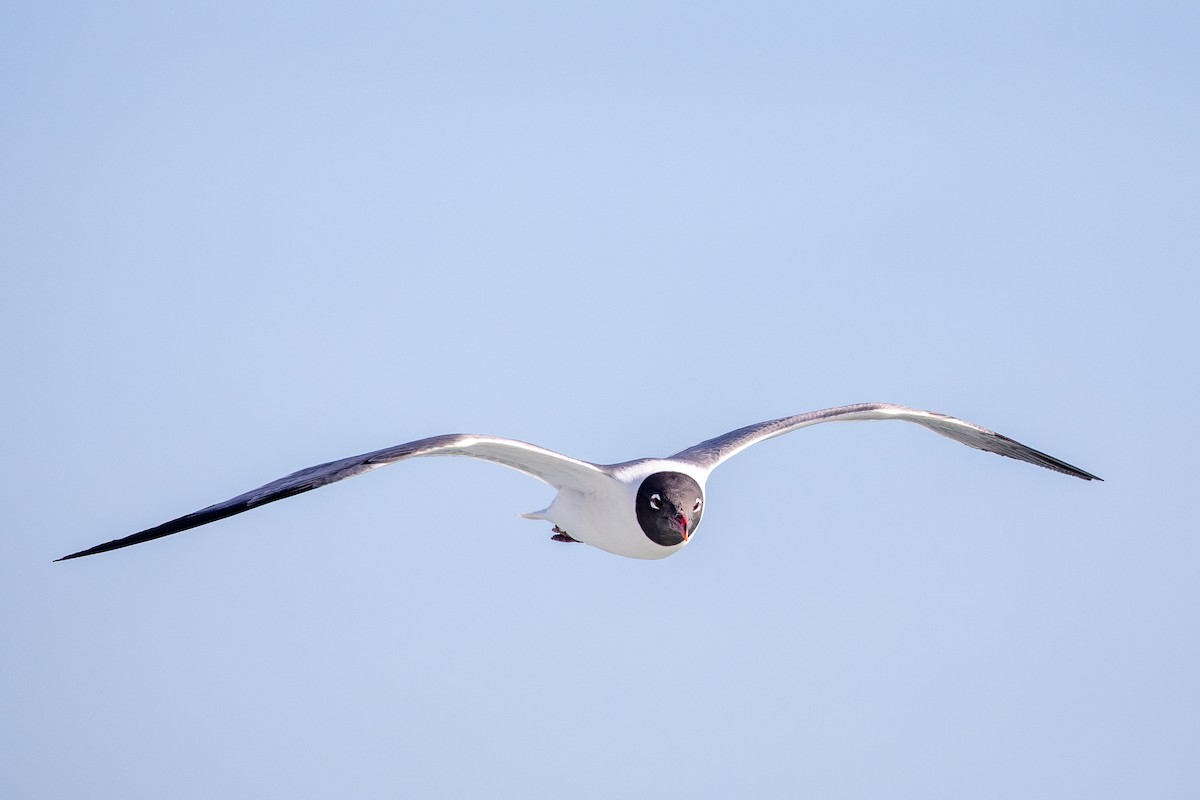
606,518
647,508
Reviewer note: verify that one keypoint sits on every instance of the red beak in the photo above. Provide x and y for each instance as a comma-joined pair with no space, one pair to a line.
681,520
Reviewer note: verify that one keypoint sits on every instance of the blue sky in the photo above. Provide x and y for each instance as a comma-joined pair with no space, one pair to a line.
240,239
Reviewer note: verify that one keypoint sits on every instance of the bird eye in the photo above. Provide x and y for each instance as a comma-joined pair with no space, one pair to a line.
696,507
655,502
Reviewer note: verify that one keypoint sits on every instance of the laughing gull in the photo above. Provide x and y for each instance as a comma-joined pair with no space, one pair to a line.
648,508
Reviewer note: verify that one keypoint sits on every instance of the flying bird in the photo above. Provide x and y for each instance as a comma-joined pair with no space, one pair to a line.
648,508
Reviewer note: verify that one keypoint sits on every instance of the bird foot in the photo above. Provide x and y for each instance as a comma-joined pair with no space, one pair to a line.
562,536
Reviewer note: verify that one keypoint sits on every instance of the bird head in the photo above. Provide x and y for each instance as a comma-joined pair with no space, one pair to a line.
669,506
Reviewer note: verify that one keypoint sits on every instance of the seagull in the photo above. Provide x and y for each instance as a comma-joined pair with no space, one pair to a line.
648,508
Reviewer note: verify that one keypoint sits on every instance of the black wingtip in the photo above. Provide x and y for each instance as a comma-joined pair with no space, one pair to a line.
197,518
1079,473
103,548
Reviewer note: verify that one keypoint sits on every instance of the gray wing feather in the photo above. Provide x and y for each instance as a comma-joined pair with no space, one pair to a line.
545,465
710,453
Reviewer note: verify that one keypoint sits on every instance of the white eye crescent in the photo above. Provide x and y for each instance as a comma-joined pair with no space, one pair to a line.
696,507
655,502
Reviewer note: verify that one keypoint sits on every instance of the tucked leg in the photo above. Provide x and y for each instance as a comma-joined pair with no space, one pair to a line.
562,536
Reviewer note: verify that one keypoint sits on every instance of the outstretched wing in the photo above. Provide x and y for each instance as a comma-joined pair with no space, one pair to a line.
708,454
553,468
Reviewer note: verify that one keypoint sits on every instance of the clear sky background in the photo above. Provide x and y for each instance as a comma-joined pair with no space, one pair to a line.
243,238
